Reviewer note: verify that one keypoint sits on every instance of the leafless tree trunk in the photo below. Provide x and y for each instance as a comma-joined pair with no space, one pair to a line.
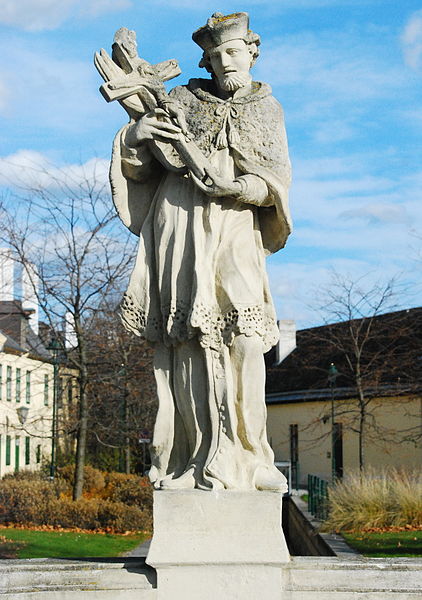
123,388
363,349
68,229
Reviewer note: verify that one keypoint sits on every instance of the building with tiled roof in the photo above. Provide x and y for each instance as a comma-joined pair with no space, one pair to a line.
378,368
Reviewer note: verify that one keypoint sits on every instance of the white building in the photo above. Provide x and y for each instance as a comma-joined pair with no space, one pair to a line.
26,377
26,394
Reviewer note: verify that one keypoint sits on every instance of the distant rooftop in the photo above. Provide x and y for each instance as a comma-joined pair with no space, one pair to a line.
15,326
391,358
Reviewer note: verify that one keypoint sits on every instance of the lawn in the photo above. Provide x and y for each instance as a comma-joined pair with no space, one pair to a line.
385,544
28,543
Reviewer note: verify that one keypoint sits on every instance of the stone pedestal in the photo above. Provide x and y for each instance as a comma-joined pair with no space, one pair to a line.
218,545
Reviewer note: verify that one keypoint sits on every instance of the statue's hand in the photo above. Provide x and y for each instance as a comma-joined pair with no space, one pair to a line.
215,185
154,125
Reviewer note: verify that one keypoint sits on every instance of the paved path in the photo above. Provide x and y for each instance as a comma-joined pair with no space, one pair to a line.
141,550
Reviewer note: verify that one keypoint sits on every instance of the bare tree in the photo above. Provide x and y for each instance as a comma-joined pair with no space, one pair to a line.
68,229
122,389
372,352
375,348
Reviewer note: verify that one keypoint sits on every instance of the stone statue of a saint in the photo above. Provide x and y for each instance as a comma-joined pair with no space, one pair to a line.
202,175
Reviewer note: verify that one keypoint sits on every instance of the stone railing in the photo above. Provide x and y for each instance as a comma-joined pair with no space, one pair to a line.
304,578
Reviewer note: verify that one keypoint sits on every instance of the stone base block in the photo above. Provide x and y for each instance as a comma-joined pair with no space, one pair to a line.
218,545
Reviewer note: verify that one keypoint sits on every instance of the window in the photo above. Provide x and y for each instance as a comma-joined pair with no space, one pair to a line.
8,444
9,384
294,454
69,392
18,385
27,450
338,450
38,454
45,390
28,387
17,453
60,391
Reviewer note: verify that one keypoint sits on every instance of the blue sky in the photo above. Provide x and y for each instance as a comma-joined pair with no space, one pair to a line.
348,74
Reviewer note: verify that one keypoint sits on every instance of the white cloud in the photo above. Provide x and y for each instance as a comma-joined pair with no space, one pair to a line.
48,93
95,8
334,131
297,286
35,15
412,41
378,213
326,166
40,15
331,192
330,66
44,15
27,170
226,6
323,198
4,96
361,240
349,218
414,116
332,81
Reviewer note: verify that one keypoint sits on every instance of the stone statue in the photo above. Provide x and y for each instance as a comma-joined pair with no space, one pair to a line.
202,175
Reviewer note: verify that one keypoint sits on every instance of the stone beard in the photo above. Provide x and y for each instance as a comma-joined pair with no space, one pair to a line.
199,291
234,81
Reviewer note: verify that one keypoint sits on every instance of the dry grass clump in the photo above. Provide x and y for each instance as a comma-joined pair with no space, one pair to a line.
111,501
375,499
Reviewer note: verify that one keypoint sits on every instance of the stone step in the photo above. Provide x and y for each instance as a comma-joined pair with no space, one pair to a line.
60,579
304,578
368,595
322,578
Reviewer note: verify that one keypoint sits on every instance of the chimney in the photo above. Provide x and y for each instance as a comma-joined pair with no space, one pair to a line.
29,294
6,275
287,341
3,339
14,321
70,339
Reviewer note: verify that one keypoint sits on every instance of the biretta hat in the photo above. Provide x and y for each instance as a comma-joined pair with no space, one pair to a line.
220,29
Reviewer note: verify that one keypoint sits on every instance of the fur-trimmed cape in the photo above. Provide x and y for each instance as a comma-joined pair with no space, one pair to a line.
253,128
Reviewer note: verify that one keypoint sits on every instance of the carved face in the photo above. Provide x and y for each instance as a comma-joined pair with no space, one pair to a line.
231,62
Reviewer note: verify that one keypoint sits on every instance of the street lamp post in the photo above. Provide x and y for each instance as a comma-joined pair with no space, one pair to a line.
332,376
54,347
144,440
124,453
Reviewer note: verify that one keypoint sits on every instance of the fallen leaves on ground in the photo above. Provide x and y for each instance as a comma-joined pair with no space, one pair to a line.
383,529
104,531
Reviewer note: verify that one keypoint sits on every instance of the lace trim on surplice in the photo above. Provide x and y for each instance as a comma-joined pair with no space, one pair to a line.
178,323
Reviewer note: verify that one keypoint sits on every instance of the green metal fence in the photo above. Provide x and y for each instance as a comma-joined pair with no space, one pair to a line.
317,497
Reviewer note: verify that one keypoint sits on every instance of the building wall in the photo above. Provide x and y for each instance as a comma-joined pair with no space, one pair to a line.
395,419
25,446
